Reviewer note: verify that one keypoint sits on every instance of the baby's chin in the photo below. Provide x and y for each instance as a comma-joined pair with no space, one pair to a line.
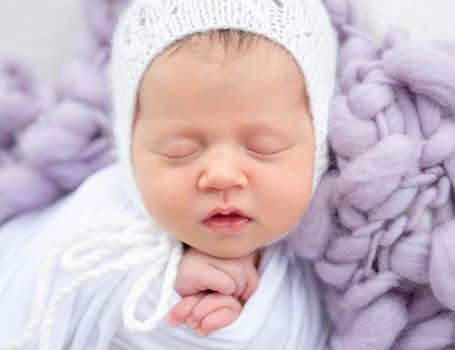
227,252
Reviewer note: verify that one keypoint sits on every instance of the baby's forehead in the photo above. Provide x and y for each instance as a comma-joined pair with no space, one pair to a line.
265,64
271,57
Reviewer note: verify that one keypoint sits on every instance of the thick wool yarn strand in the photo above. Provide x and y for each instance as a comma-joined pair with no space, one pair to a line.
53,138
381,228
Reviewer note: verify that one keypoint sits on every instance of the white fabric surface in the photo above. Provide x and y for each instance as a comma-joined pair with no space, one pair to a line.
284,313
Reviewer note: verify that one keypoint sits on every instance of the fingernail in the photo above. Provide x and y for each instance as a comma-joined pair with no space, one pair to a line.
201,332
173,320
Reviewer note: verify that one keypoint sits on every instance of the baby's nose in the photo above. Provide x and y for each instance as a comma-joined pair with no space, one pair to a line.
223,171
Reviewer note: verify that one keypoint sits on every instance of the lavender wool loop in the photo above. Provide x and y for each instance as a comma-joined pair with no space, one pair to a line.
52,139
384,244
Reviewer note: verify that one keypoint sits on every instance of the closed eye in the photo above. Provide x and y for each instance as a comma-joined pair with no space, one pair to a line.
270,152
177,151
264,153
265,145
177,156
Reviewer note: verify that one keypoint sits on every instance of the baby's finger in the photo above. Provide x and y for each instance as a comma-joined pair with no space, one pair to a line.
183,308
252,282
209,304
218,281
235,269
216,320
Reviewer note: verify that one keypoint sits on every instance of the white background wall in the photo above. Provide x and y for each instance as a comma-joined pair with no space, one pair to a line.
425,19
40,30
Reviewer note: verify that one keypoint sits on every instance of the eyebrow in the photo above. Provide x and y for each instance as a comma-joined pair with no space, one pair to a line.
181,130
188,130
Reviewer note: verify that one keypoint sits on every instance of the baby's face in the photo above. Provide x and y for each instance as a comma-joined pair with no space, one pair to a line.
237,135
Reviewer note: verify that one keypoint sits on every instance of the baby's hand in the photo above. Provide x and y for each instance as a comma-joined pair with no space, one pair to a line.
198,272
206,312
210,287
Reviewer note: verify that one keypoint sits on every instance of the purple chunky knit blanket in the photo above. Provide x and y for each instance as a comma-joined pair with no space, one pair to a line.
381,227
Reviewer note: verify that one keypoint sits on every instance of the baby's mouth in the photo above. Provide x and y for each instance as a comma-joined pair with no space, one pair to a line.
233,222
233,217
225,211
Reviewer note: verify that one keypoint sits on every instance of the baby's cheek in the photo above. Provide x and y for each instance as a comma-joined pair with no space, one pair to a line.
159,199
166,200
285,198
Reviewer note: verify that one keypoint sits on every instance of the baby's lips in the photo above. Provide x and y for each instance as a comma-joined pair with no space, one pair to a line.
225,211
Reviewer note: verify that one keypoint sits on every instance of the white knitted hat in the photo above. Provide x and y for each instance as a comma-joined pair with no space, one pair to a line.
147,27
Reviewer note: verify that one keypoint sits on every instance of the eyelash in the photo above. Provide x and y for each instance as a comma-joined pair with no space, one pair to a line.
249,150
266,153
176,158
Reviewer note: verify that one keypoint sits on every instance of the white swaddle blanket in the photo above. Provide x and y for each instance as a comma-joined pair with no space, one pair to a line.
284,313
